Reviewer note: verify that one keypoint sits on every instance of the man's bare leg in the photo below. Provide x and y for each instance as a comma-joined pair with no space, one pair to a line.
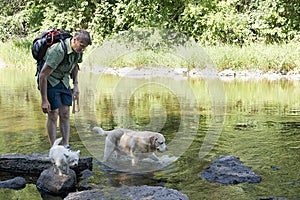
64,123
51,125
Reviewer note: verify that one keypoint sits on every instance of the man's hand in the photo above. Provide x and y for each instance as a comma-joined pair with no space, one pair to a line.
46,107
75,92
75,98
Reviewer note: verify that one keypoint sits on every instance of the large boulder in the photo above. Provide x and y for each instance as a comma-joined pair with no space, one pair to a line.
229,170
129,193
51,183
16,183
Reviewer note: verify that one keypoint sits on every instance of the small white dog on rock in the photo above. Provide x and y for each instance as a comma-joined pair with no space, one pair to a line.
63,158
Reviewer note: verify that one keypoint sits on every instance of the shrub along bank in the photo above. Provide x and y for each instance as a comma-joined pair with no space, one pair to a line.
271,57
239,34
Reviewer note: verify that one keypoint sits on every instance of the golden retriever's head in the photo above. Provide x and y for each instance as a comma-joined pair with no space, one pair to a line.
158,142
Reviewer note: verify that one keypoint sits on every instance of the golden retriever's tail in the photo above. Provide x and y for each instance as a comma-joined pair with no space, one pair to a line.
57,141
100,131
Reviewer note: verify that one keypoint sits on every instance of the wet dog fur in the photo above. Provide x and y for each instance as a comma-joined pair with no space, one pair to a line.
136,144
63,158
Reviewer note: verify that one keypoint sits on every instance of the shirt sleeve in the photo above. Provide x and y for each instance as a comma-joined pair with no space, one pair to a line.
54,55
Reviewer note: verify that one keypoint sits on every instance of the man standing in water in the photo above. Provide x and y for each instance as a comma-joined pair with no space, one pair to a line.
54,83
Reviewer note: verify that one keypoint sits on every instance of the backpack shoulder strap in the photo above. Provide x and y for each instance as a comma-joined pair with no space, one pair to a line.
64,47
66,56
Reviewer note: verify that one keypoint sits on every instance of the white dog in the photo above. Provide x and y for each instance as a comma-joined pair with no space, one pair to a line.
136,144
63,158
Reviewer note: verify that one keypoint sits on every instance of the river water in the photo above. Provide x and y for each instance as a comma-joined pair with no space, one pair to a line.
256,121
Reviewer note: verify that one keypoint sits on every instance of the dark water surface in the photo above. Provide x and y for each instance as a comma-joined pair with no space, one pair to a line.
257,121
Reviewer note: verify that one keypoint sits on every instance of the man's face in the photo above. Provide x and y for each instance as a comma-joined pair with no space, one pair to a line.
78,46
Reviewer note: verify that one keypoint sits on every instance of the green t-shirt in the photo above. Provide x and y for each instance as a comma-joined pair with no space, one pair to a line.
62,70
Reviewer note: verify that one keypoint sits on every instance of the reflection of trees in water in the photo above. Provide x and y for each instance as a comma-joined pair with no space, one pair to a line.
136,109
21,120
142,108
263,97
19,99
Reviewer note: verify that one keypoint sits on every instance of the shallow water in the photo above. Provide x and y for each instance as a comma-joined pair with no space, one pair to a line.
257,121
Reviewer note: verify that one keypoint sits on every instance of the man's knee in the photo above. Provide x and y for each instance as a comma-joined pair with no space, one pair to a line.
64,112
53,115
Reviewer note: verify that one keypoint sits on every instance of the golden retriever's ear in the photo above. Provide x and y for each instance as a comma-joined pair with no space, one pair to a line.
153,140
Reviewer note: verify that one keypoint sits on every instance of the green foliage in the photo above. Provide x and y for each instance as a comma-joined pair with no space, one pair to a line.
208,21
102,21
68,15
191,21
237,23
10,7
275,20
241,22
226,25
13,26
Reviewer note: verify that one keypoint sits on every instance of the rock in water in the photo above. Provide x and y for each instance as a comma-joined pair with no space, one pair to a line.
17,183
229,170
130,193
52,183
33,164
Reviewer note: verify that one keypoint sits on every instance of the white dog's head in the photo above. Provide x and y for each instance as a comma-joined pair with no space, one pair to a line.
72,157
159,143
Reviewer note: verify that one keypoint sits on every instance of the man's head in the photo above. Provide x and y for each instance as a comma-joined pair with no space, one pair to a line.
80,41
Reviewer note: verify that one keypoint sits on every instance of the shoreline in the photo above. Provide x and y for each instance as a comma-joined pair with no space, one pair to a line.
226,75
183,73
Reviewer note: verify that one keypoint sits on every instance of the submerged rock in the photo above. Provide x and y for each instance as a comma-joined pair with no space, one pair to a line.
229,170
130,193
85,179
275,168
17,183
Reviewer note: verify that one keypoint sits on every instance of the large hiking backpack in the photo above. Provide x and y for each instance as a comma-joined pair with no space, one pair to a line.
43,41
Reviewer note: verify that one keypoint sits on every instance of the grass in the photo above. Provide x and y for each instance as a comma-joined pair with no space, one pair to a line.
273,57
17,54
256,56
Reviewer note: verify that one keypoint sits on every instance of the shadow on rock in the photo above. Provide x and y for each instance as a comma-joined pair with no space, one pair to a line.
16,183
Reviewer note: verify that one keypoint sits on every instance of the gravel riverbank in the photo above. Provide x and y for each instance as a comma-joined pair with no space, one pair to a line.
184,73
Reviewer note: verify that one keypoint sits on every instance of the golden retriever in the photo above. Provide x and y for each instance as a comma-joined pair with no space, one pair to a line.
136,144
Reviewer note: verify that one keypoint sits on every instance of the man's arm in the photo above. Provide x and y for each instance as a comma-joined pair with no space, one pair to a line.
46,71
74,74
75,81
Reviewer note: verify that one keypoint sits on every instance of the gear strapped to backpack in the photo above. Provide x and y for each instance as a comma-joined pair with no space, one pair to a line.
42,42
